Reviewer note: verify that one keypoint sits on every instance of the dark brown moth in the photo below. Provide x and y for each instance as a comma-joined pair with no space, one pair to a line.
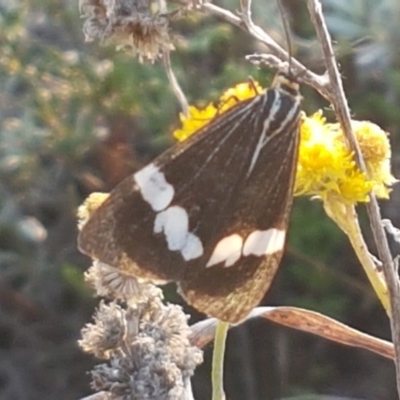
211,213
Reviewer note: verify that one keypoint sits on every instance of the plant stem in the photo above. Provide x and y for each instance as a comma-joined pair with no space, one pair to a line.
217,374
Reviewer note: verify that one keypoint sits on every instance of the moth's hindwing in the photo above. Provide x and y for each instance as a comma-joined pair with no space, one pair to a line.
210,213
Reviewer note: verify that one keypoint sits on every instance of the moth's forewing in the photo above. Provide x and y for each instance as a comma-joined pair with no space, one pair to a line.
226,182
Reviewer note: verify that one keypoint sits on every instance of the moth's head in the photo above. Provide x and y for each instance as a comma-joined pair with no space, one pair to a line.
287,83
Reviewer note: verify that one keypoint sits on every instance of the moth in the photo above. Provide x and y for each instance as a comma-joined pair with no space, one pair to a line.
211,213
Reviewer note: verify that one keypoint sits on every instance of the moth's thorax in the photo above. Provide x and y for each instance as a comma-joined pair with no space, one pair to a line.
286,83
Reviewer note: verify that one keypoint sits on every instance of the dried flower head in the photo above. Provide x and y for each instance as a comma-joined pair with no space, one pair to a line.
114,283
149,353
104,337
129,23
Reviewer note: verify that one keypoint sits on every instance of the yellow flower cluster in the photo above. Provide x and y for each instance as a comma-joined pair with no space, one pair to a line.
90,205
200,117
326,166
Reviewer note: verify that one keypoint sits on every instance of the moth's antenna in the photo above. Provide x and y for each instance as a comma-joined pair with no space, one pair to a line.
286,28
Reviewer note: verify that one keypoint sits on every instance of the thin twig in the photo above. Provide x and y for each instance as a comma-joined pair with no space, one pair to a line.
97,396
391,230
174,83
224,14
339,103
279,56
319,82
162,6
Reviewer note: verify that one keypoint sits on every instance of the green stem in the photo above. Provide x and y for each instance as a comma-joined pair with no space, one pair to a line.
217,373
346,218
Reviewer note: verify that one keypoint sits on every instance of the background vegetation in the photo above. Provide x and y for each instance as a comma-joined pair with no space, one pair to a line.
77,118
